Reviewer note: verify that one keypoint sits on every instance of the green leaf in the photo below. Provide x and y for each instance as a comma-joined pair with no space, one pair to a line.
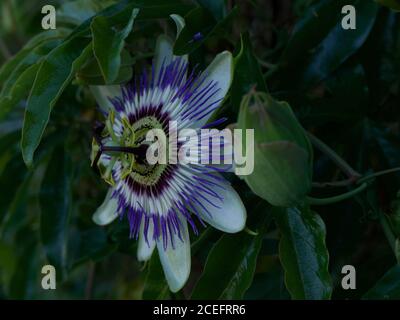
319,44
217,7
8,262
15,181
156,287
149,10
19,91
108,44
268,283
91,74
10,66
17,205
303,254
342,98
281,173
11,178
381,66
388,287
200,26
33,57
247,73
91,244
25,278
55,73
229,278
25,275
76,12
55,202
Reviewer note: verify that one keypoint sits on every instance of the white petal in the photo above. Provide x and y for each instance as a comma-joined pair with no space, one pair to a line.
145,249
176,262
163,53
180,23
107,212
103,93
221,71
230,216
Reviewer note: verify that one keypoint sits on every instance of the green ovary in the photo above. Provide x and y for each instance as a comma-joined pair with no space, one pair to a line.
134,165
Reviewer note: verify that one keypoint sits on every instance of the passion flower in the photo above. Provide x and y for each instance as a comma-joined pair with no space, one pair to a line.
160,200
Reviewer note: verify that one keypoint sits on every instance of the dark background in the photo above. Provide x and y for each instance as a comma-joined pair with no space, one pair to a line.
343,87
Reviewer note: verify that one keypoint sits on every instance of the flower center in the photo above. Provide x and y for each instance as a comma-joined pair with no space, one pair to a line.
140,171
127,151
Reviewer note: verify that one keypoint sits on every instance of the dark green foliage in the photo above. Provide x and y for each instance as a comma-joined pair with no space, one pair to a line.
343,86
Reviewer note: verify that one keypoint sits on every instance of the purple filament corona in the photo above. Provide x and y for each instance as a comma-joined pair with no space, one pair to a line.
181,191
195,94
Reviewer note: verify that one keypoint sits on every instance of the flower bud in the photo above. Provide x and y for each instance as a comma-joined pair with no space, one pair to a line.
282,152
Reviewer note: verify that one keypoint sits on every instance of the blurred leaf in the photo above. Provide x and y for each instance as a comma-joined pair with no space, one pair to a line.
76,12
15,182
108,44
55,202
8,262
156,287
303,254
159,9
342,98
229,278
382,67
16,214
53,76
91,244
247,74
395,216
319,44
268,284
26,13
392,4
217,7
11,178
200,26
24,281
25,274
389,142
388,287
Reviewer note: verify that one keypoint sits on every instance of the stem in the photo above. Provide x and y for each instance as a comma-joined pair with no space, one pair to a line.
341,183
355,180
250,232
341,197
388,231
343,165
377,174
266,64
